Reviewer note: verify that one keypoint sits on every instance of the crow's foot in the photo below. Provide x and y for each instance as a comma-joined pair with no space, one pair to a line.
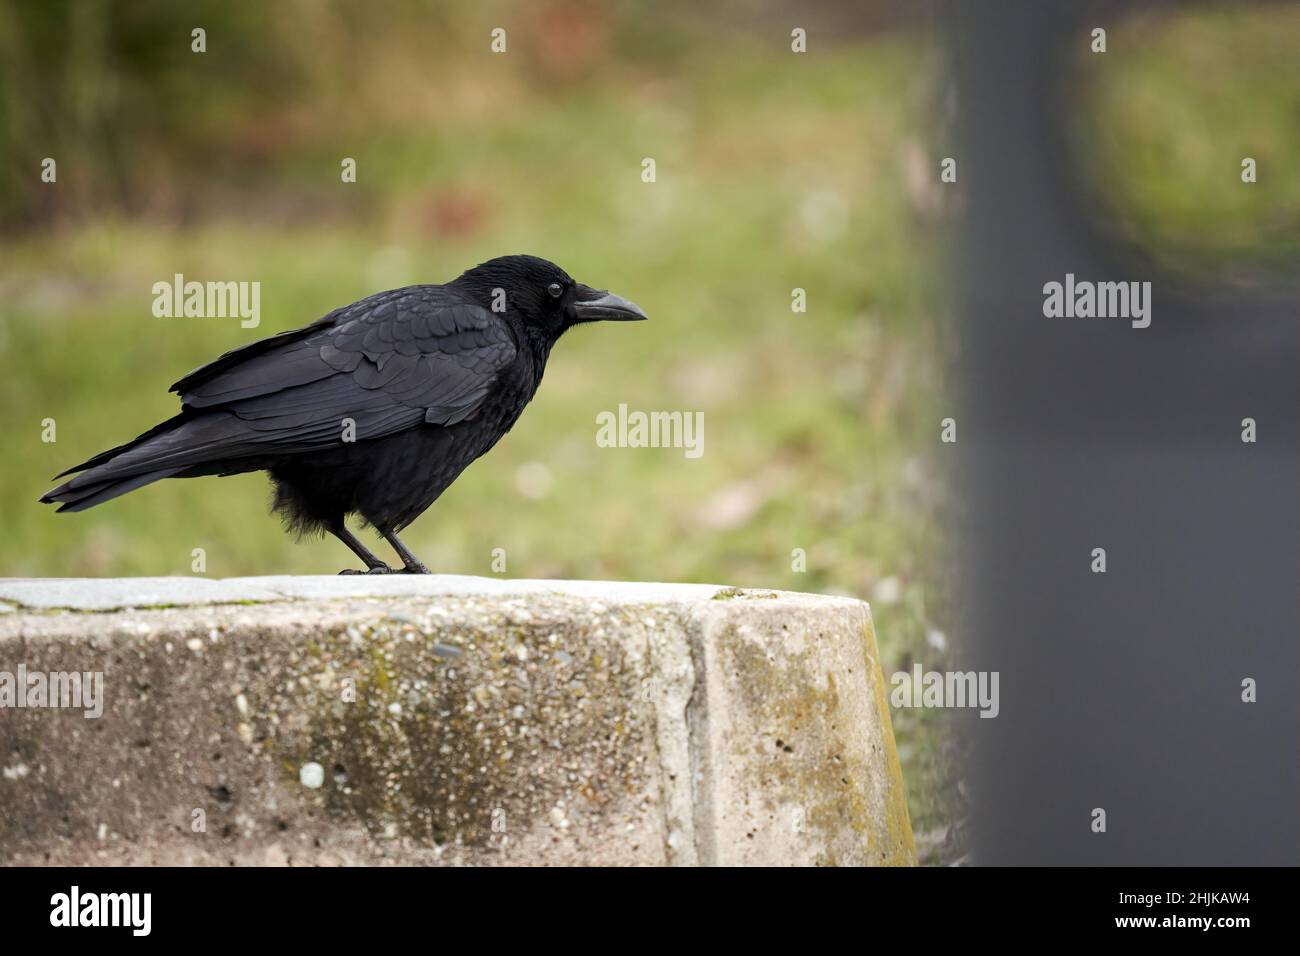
411,564
377,569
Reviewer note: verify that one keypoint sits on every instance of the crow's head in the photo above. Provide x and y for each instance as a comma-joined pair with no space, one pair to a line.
542,295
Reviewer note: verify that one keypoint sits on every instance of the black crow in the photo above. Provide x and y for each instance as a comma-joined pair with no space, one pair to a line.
373,410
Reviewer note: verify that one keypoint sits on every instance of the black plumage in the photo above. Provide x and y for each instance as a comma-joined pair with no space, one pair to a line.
374,410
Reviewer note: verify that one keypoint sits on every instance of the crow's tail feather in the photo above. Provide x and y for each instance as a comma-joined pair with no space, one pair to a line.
96,493
179,446
106,456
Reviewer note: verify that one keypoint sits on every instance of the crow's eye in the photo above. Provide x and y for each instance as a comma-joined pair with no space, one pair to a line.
555,289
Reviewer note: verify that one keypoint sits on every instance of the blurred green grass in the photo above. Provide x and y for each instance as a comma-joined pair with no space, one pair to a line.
1166,116
773,172
711,250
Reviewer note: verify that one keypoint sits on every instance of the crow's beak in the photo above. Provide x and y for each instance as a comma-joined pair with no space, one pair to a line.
593,305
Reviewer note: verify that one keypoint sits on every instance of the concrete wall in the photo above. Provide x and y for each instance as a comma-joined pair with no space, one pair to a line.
443,719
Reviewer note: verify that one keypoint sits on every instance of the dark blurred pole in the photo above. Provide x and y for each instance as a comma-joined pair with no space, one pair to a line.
1121,690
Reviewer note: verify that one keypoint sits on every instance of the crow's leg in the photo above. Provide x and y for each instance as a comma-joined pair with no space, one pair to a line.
413,564
373,564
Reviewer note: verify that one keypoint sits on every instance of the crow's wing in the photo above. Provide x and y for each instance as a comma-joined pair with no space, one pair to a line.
388,362
270,345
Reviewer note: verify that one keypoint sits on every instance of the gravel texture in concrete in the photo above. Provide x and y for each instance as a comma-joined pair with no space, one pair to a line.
439,719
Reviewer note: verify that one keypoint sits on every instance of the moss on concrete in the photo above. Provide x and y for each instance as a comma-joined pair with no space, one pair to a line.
462,729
